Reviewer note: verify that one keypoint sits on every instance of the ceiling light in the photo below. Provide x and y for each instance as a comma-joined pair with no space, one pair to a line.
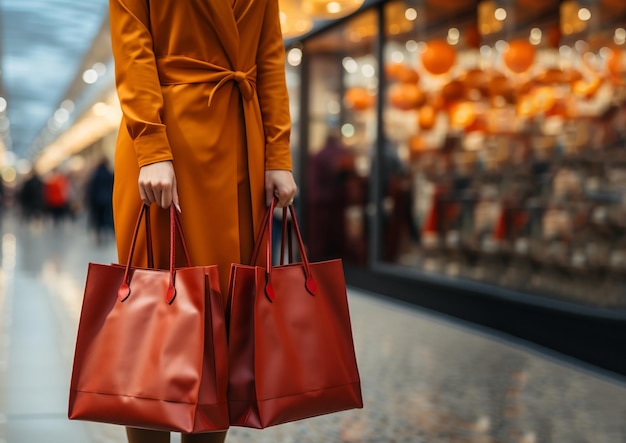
333,7
90,76
68,104
100,69
500,14
61,115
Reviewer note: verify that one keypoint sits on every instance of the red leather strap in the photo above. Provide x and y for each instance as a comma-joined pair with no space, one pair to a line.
310,283
175,226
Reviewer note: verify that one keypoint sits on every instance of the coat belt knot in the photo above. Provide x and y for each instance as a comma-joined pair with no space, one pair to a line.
175,70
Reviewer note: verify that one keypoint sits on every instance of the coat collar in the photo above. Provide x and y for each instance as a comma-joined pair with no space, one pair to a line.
222,15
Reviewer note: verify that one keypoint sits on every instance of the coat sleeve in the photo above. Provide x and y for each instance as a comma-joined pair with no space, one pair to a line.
137,79
272,91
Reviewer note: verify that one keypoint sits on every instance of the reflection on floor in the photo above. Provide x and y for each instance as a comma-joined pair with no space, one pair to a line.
424,379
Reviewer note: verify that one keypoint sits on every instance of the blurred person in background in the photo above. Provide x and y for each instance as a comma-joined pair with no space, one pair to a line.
100,201
330,170
30,197
56,190
205,127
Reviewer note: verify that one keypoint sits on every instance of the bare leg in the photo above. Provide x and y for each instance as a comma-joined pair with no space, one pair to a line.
211,437
145,436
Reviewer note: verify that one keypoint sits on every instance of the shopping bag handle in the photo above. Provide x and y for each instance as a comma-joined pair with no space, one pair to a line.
175,227
310,284
286,233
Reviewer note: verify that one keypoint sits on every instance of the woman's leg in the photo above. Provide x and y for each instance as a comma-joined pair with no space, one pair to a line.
211,437
146,436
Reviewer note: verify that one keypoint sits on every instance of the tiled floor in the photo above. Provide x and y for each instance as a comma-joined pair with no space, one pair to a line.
425,379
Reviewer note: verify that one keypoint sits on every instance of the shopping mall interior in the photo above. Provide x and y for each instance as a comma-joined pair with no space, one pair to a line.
466,159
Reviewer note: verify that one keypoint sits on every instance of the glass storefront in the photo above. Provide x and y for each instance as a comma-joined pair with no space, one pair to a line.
499,156
342,132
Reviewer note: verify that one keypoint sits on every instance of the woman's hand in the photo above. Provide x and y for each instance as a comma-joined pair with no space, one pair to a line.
157,184
281,184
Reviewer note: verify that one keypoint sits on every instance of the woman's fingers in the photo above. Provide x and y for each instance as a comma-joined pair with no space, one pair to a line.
157,183
280,184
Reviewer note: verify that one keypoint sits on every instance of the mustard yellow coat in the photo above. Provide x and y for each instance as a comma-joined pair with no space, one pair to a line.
201,83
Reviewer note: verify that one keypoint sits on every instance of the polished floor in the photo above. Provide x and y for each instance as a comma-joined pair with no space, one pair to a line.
425,378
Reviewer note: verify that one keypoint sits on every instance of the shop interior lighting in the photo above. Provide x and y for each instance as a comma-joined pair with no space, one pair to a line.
501,45
565,51
410,14
620,36
584,14
293,21
333,9
411,46
23,166
350,65
453,36
333,107
3,104
397,57
535,36
294,56
368,70
102,119
347,130
487,21
500,14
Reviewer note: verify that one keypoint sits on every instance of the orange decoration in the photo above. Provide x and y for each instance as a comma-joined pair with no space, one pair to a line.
452,91
437,101
544,98
587,89
406,96
519,56
558,109
358,99
616,62
499,85
551,76
438,57
572,75
426,117
476,79
525,107
462,114
478,125
401,73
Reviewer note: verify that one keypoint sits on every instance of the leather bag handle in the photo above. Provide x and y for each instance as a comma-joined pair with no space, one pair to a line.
310,284
175,226
286,233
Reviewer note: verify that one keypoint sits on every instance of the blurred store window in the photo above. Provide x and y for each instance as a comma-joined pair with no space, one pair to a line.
505,148
342,136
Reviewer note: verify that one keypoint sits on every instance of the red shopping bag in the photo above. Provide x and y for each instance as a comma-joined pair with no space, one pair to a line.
291,351
151,349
